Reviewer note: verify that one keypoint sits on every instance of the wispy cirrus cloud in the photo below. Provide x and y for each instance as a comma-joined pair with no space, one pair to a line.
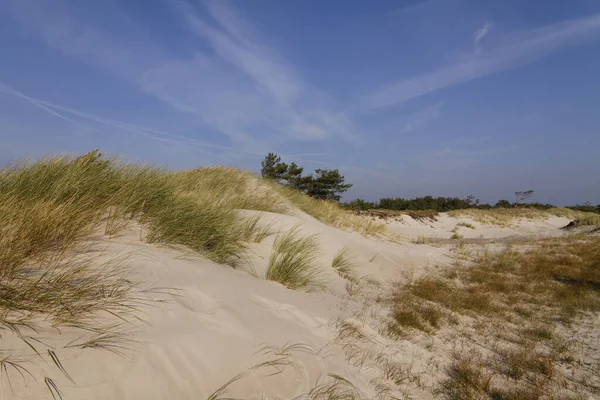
95,123
90,122
243,88
422,117
520,49
479,35
285,104
235,41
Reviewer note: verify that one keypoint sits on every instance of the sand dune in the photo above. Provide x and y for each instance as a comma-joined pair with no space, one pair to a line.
202,323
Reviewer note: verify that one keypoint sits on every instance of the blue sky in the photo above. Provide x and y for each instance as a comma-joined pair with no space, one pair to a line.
406,98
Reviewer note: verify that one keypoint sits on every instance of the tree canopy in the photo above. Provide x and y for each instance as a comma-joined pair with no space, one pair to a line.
326,184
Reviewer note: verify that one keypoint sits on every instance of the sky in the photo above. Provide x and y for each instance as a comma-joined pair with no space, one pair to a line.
406,98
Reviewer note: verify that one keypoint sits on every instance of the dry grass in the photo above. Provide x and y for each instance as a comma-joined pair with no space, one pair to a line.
47,210
561,275
335,388
455,234
331,213
229,188
466,225
423,239
381,213
284,360
508,216
292,261
50,209
587,220
236,189
409,312
513,304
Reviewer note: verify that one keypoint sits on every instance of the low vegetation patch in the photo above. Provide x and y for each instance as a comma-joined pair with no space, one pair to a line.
230,188
344,265
455,234
520,306
588,220
331,213
423,239
508,216
292,261
385,214
50,209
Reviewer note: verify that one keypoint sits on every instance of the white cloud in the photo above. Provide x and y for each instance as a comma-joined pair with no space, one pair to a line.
285,104
521,49
244,89
237,43
480,34
89,122
422,118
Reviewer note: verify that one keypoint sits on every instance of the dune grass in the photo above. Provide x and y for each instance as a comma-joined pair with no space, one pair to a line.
50,211
292,261
51,207
518,304
327,387
455,234
466,225
236,189
560,275
330,212
230,188
587,220
344,265
508,216
423,239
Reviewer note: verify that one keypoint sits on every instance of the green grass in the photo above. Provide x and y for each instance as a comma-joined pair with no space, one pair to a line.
344,265
292,261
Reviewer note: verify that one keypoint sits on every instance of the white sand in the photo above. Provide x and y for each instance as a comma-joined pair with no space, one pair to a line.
207,329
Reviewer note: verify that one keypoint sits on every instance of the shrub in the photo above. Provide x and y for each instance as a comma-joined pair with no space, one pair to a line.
326,185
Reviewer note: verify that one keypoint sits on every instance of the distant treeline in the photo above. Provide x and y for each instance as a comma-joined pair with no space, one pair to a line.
442,204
